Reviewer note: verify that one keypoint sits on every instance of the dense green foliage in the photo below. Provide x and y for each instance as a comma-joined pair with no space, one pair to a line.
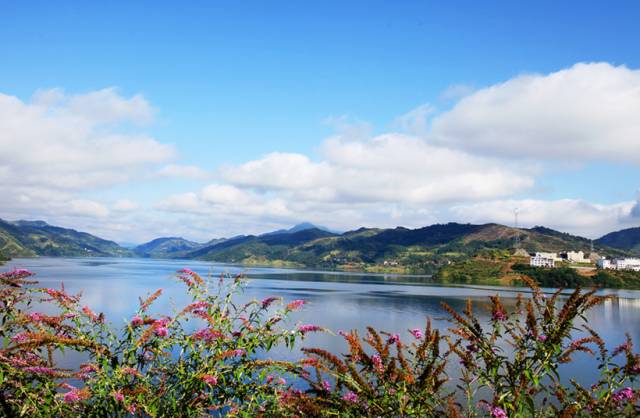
159,366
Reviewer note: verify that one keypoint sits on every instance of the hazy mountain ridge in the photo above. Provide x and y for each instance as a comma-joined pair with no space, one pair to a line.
166,247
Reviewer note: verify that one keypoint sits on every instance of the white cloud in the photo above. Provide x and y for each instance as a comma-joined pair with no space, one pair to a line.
100,106
57,148
124,205
567,215
184,171
586,112
388,168
88,208
456,92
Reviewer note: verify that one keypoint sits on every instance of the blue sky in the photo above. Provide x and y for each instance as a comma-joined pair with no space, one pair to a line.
228,83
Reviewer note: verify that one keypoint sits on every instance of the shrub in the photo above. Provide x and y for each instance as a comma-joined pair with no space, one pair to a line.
155,366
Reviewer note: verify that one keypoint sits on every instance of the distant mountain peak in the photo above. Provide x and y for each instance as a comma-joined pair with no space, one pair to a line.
302,226
36,223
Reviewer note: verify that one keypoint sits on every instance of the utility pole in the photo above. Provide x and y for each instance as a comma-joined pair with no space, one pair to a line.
516,243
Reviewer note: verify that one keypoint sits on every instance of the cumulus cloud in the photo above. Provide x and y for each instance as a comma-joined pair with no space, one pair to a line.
586,112
57,148
386,168
568,215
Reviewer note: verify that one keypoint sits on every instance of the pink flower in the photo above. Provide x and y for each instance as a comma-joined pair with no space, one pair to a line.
20,337
393,338
623,395
417,333
238,352
326,386
295,305
498,316
542,338
269,379
209,380
118,396
35,316
207,334
71,396
160,326
69,315
266,302
350,397
136,321
88,368
497,412
90,314
161,322
309,328
162,332
281,381
377,363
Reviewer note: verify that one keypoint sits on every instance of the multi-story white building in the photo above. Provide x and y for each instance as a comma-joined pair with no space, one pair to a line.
628,264
620,264
542,260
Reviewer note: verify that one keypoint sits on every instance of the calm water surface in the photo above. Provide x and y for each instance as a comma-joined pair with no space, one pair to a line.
338,301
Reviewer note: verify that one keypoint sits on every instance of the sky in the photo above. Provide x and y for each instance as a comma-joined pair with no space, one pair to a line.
135,120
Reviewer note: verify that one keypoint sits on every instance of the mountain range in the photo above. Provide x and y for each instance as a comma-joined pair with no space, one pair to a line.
33,238
420,250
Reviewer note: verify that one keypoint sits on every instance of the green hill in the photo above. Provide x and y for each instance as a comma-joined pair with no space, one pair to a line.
402,250
31,238
626,239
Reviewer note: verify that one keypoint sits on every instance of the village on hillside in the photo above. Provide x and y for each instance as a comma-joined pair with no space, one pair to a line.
579,259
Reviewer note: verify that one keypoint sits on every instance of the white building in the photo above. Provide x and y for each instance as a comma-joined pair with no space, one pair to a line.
553,256
628,264
620,264
577,257
542,260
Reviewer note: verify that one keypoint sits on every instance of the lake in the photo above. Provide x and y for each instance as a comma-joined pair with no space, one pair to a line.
337,301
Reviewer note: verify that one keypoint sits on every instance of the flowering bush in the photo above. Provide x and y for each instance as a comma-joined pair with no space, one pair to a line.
158,366
155,368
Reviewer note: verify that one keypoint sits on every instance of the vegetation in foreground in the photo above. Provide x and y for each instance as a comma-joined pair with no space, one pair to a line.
157,367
